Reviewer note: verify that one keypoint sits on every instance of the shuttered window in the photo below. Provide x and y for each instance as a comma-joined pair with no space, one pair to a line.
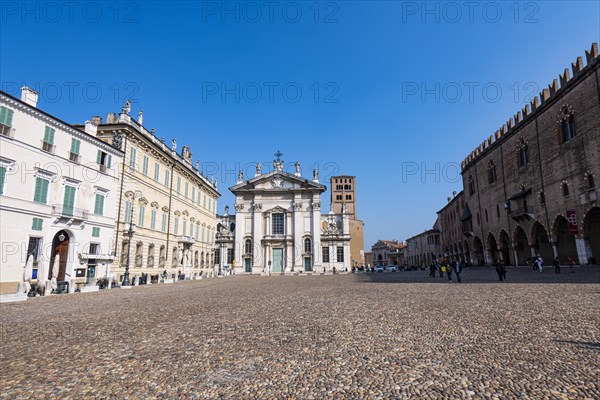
69,201
41,191
2,179
49,135
37,224
6,116
95,232
99,206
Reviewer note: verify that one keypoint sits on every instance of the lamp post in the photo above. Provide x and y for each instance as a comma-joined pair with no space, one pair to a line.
130,232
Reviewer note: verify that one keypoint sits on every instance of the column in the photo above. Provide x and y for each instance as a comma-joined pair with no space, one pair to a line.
298,231
257,234
316,233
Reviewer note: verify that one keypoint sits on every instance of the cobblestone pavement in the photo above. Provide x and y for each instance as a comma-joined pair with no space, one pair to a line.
391,335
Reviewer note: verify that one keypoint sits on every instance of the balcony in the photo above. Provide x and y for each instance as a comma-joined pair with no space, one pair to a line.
522,213
48,147
186,239
61,211
589,197
7,131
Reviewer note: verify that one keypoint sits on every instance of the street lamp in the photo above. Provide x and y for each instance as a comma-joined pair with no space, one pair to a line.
130,231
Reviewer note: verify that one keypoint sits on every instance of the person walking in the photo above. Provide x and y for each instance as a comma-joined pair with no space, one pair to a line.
534,261
556,264
571,264
432,269
539,262
458,267
449,271
442,269
500,270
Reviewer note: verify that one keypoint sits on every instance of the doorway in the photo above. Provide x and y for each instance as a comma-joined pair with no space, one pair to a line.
277,260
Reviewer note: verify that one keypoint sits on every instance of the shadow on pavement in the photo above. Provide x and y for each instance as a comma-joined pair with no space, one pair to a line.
583,345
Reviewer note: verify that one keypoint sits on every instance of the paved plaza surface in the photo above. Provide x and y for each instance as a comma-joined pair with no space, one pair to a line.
356,336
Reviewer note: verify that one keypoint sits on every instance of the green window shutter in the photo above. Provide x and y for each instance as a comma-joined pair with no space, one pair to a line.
75,146
153,219
109,161
6,116
96,232
99,157
127,212
69,200
99,206
167,173
186,189
156,171
49,135
184,227
178,184
41,191
176,227
132,157
145,166
164,222
2,179
203,234
141,216
37,224
191,230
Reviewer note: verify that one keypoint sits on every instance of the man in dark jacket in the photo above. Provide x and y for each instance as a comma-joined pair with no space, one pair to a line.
458,267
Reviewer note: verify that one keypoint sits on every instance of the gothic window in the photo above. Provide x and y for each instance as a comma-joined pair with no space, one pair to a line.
590,181
567,123
542,198
497,211
471,186
492,176
523,152
486,215
278,224
565,189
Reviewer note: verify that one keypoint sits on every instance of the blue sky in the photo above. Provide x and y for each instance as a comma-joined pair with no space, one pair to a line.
396,93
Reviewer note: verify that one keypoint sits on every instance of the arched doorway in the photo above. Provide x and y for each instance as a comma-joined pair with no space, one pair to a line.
541,243
591,234
565,241
521,246
492,247
505,248
60,247
478,251
467,253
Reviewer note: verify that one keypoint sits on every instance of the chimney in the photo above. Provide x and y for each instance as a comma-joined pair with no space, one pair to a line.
97,120
29,96
90,128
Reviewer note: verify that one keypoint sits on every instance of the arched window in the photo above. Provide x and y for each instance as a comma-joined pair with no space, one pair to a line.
307,245
486,215
471,186
567,124
497,211
565,189
590,181
248,246
492,176
151,256
523,152
162,256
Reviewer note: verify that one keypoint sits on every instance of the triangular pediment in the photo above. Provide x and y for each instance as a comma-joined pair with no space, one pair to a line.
277,181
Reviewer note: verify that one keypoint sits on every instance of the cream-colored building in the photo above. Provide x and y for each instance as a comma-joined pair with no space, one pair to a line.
343,197
169,204
58,196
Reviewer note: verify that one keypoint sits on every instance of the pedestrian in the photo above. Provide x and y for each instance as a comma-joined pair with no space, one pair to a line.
449,271
500,270
432,269
442,269
539,262
556,264
458,267
534,261
571,264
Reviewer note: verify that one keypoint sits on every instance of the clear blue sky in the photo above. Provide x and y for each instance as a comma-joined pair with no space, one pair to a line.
361,68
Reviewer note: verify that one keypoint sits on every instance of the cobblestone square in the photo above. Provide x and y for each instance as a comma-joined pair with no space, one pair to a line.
355,336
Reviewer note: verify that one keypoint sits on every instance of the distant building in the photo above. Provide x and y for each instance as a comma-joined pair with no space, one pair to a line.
455,225
388,252
57,198
343,196
423,248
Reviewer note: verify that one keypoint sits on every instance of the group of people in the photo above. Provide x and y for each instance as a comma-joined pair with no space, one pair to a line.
537,261
448,268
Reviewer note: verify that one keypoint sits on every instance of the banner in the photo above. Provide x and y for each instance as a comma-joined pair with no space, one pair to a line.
572,221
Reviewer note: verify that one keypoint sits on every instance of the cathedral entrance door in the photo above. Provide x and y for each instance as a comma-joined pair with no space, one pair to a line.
248,264
277,260
307,264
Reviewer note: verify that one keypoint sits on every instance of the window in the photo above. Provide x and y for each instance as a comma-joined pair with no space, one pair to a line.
95,232
348,197
2,179
492,177
191,230
142,211
229,256
199,195
35,247
197,232
176,226
338,197
103,160
340,254
69,201
178,184
565,189
186,190
132,157
74,152
486,215
184,227
193,193
48,142
542,198
41,191
37,223
325,254
567,124
163,224
128,206
478,219
6,116
156,171
203,233
204,200
94,247
523,153
99,205
145,165
278,224
471,186
590,182
217,257
307,245
497,211
248,247
153,219
167,177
